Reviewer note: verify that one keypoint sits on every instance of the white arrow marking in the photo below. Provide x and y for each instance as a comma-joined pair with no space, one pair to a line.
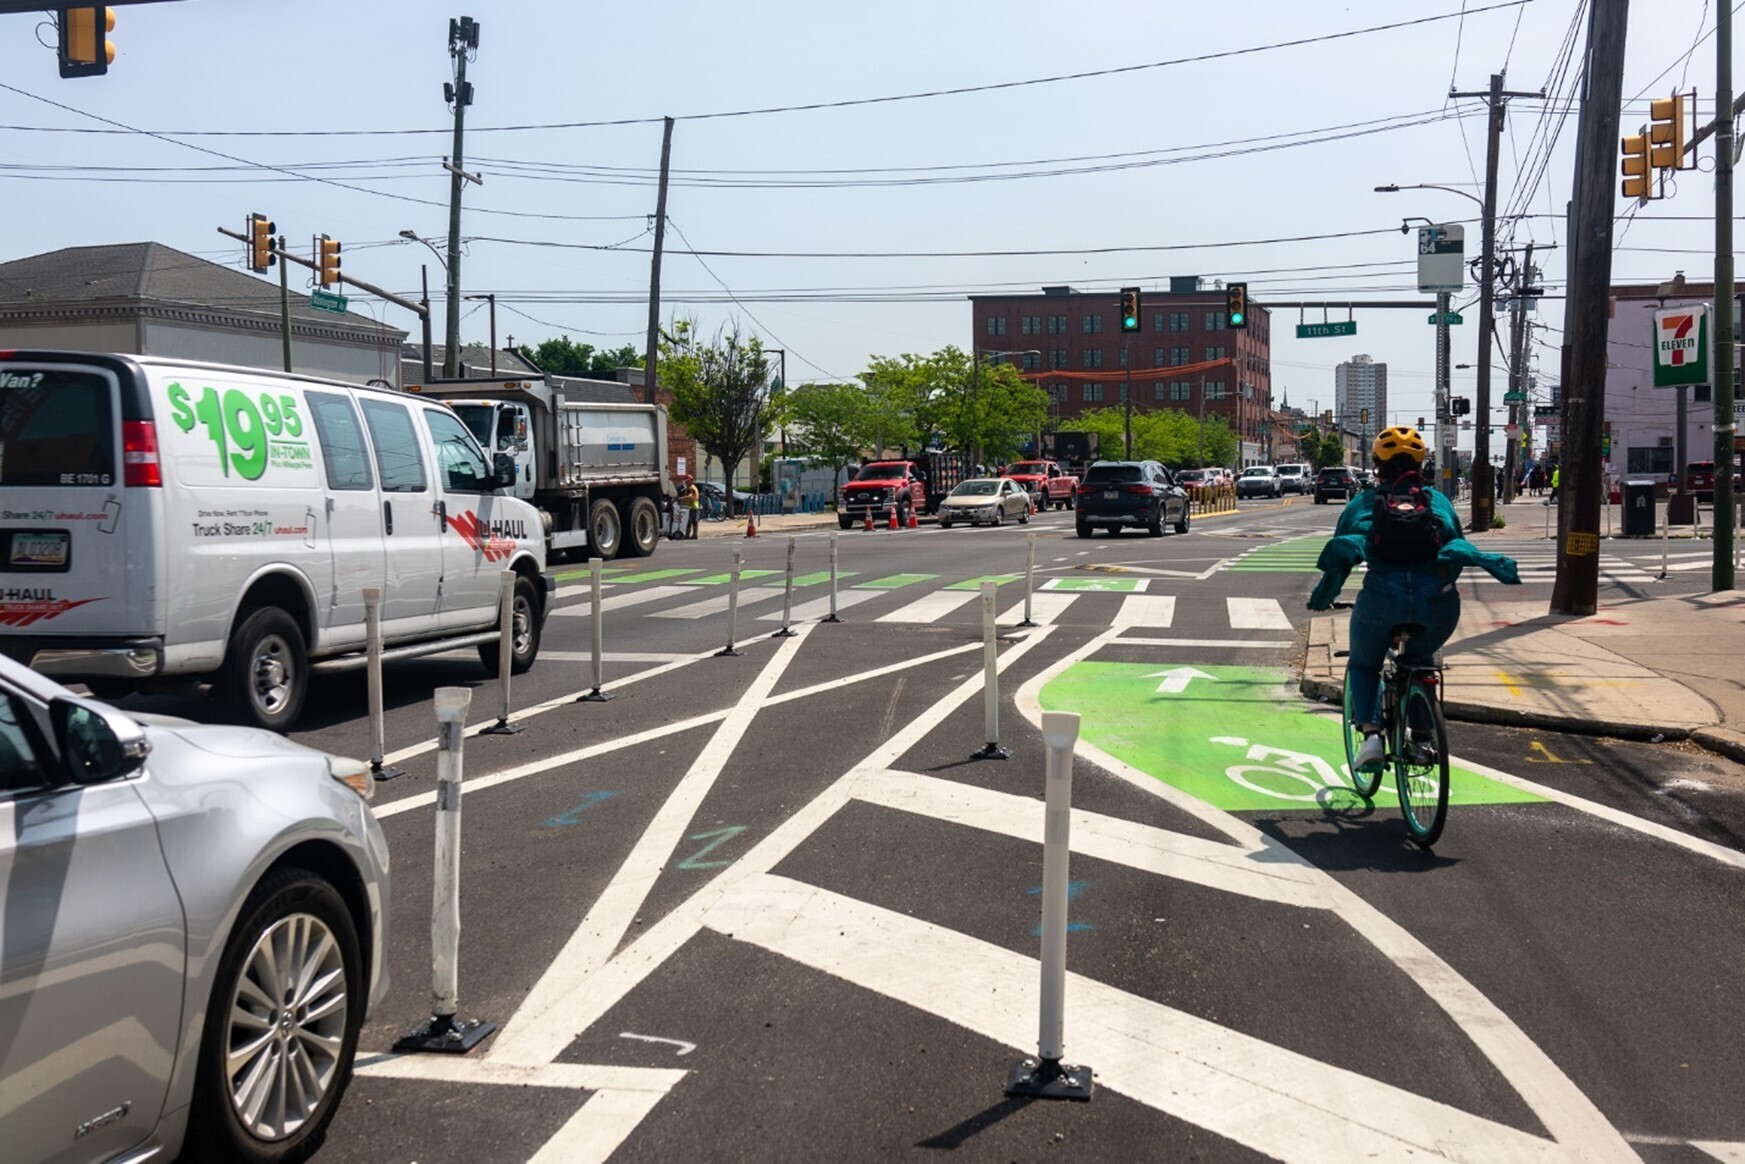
684,1048
1176,679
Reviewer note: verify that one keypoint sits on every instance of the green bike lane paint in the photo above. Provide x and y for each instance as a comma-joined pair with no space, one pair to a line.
1237,738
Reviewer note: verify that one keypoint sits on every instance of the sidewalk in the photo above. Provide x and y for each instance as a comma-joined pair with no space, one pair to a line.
1639,667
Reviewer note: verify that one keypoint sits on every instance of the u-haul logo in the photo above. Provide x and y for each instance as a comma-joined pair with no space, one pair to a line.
496,540
26,607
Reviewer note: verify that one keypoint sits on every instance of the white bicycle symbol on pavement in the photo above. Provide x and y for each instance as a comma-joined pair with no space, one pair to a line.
1293,775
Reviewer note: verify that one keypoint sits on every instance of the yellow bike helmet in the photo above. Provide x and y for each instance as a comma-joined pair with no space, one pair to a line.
1391,442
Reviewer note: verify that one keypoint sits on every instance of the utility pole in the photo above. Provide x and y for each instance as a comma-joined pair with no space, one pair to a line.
1726,455
1586,316
463,38
651,354
1445,428
424,318
1517,372
1483,479
285,304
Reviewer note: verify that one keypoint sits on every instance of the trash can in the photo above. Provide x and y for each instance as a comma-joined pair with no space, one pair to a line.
1639,509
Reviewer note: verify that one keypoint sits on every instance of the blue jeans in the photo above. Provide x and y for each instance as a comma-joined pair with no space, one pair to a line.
1390,597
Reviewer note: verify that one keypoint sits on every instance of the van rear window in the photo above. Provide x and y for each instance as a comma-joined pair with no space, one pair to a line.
57,427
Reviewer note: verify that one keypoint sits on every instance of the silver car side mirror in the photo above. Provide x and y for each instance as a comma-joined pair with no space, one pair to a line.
97,743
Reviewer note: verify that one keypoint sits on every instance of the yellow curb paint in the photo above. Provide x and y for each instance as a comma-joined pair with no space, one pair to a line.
1507,682
1545,755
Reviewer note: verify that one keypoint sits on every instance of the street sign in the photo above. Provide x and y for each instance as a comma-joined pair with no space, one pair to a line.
327,301
1545,411
1441,258
1514,398
1681,346
1452,318
1323,330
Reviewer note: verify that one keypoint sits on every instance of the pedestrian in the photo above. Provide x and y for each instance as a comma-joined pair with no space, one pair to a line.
689,502
1556,480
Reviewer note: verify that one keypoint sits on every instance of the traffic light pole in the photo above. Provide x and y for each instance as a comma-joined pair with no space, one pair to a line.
285,303
1726,454
1445,424
1127,394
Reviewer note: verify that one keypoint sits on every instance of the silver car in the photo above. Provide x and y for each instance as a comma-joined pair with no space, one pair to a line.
191,933
985,499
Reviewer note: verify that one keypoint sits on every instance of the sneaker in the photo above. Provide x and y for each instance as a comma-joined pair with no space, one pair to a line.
1372,757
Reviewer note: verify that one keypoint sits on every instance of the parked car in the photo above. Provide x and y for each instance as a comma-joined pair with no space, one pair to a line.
1113,494
1335,481
993,500
1259,481
1295,478
1699,478
195,932
1192,478
714,498
1219,475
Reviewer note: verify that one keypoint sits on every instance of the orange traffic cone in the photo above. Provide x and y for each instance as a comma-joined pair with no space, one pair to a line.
893,522
751,525
868,527
913,524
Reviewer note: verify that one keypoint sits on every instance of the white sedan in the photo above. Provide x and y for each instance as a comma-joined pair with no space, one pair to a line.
985,499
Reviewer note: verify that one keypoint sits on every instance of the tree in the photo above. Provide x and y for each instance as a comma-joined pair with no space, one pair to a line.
1331,452
833,422
564,357
720,391
941,398
1177,439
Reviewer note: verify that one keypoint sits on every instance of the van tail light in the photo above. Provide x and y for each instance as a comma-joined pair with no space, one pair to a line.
139,454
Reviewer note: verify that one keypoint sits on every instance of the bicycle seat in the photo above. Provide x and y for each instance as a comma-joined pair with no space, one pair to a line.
1405,628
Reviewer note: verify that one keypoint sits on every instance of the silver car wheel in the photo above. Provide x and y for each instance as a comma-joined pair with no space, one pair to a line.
286,1020
272,674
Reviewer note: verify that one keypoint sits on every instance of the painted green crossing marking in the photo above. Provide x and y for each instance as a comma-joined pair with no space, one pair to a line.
894,581
818,576
657,575
609,574
724,579
1119,585
1237,738
976,583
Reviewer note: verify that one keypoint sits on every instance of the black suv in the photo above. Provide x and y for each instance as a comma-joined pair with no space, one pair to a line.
1113,494
1335,481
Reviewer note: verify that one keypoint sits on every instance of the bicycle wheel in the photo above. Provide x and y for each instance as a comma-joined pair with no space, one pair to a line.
1421,764
1365,782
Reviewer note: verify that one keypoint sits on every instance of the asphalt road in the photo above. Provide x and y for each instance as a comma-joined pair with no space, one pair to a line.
768,907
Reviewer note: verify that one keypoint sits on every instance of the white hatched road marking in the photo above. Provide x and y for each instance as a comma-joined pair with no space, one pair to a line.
748,596
1046,607
628,598
820,607
932,607
1257,614
1145,610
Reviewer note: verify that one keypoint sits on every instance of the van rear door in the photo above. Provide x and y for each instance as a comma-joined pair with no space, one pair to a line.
79,485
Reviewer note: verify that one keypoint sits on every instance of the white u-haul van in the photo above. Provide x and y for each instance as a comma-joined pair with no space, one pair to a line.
163,519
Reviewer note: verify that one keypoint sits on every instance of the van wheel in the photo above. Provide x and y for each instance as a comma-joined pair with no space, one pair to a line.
266,670
644,527
605,530
524,630
282,1027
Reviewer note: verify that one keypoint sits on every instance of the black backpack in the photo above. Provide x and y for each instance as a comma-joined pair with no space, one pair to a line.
1404,530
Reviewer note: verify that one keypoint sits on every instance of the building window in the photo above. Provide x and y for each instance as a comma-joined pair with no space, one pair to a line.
1093,324
1179,356
1057,357
1030,325
1158,356
1057,325
1215,352
1093,393
1160,391
996,325
1178,321
1032,360
1215,321
1157,321
1123,359
1181,390
1093,357
1057,392
1248,391
1702,394
1650,460
1216,390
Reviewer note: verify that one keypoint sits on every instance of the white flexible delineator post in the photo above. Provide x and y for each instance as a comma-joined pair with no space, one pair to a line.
505,653
597,621
833,616
373,668
787,596
1029,578
991,750
733,607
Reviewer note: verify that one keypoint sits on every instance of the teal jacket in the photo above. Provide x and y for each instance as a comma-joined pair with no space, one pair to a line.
1349,545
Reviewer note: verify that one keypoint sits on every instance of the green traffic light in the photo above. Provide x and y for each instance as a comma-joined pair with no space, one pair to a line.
1130,322
1237,318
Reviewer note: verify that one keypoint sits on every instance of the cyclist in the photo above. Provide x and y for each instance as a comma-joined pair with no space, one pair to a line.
1410,535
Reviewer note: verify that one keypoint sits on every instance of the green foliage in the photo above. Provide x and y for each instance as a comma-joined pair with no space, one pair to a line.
988,409
720,390
1331,451
834,423
564,357
1169,435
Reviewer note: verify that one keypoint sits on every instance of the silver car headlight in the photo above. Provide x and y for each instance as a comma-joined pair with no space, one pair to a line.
354,774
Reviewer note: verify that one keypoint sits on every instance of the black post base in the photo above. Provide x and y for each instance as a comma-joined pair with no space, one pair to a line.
830,618
1029,622
784,633
502,728
728,652
380,773
595,696
992,751
1049,1079
443,1035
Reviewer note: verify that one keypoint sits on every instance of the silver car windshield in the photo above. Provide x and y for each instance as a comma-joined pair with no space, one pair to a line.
976,489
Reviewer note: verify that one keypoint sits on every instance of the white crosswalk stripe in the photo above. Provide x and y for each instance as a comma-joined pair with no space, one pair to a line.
820,607
1257,614
1145,610
717,604
931,608
625,598
1046,607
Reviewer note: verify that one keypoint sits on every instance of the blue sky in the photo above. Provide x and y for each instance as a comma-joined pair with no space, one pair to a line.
304,70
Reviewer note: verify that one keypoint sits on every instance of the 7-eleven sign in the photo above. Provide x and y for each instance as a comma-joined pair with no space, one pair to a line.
1681,346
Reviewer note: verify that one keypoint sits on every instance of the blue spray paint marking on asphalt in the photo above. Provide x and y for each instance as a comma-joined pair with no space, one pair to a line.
574,815
722,836
1073,889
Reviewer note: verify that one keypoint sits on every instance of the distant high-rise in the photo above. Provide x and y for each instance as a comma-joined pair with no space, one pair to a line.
1361,383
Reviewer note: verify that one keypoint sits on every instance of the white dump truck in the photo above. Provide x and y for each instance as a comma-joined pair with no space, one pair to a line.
596,471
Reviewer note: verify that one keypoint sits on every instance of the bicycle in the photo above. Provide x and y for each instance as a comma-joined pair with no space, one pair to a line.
1415,735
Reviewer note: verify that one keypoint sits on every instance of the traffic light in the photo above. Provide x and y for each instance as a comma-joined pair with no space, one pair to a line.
1129,309
1420,424
1236,304
260,243
85,49
1459,406
1666,133
1637,184
326,261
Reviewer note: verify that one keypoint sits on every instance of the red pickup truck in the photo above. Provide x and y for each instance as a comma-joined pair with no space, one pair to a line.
878,487
1046,481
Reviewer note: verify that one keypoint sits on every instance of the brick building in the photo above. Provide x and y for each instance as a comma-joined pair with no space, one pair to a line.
1067,330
